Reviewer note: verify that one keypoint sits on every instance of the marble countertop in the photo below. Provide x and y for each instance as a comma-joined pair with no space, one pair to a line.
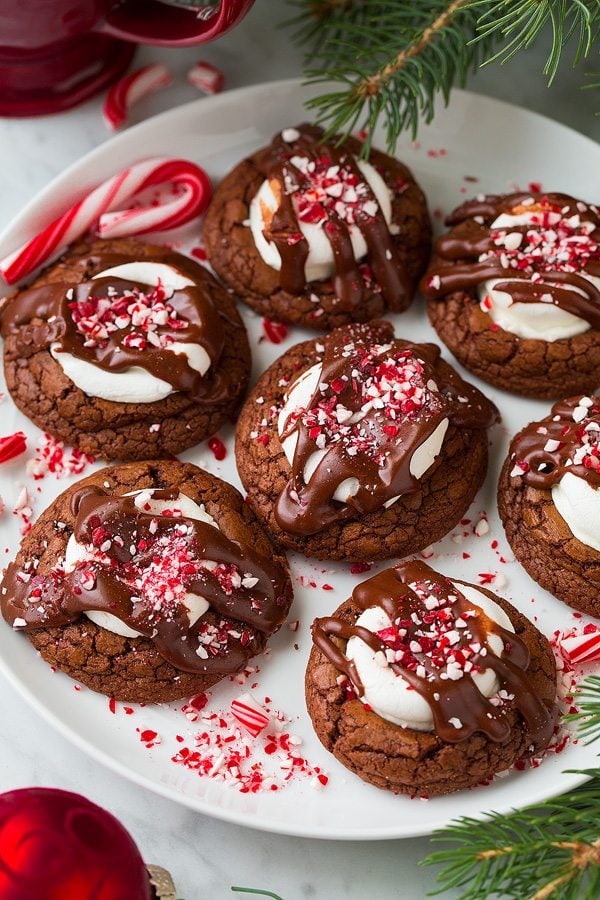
206,856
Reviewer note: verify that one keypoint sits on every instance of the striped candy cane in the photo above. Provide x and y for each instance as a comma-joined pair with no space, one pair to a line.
131,89
102,208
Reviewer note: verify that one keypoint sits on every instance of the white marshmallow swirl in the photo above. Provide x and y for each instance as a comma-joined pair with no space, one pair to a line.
390,695
195,604
135,384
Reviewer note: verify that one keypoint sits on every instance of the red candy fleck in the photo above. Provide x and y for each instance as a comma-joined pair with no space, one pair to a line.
359,567
12,446
218,448
275,331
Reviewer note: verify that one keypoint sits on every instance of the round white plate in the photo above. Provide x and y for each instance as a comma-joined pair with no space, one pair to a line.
477,144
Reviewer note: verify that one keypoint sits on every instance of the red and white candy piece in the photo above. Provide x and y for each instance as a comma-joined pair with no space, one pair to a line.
102,209
131,89
250,714
582,647
206,77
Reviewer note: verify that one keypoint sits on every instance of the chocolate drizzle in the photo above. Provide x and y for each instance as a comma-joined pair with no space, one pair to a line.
546,266
72,319
566,441
457,706
139,567
378,400
291,184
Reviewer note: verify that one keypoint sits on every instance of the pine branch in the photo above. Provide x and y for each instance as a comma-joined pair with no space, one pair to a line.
551,850
587,699
391,60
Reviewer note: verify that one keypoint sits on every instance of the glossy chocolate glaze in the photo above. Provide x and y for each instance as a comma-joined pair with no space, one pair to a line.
133,540
44,316
383,472
458,266
284,230
458,700
545,451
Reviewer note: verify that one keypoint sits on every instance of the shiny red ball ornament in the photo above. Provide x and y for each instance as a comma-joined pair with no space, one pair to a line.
55,845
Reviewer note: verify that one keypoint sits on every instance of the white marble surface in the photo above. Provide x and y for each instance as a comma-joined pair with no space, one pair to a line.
206,857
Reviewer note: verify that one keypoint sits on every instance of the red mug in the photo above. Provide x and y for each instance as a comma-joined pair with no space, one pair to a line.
56,53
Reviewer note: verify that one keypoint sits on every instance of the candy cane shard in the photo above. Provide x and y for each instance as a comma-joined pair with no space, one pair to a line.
206,77
102,209
582,647
131,89
250,714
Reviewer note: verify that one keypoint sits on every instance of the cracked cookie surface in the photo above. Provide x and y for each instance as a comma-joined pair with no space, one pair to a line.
545,546
233,254
127,431
531,368
407,761
413,522
132,669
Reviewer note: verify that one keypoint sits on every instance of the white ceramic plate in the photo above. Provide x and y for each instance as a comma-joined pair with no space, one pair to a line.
477,144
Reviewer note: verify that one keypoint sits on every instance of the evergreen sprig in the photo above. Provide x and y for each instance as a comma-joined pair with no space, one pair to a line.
547,850
391,59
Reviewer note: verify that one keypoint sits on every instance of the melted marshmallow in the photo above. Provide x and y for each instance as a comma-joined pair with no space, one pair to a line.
135,384
196,605
537,321
299,396
388,694
319,264
579,505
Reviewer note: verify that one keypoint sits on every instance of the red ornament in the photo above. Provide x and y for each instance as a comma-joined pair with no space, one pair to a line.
55,845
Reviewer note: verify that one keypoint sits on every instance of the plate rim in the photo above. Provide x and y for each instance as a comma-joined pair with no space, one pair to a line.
198,804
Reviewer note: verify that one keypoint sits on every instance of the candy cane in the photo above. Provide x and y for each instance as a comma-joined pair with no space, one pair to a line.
131,89
206,77
582,647
102,208
249,714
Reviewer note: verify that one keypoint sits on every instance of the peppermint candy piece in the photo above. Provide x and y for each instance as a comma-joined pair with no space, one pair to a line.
132,88
249,714
206,77
102,209
582,647
12,446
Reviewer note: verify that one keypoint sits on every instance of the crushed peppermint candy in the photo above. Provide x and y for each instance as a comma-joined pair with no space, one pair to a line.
223,750
144,319
551,243
321,188
393,386
52,457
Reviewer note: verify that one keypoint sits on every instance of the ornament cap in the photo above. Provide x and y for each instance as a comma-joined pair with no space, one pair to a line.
162,883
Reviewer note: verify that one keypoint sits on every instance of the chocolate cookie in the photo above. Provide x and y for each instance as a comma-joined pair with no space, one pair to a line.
514,292
306,232
549,501
144,361
440,685
181,583
361,446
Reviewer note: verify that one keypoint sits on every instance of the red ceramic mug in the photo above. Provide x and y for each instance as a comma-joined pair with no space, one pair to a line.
56,53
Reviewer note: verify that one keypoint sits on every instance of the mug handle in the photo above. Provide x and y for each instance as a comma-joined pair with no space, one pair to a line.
150,22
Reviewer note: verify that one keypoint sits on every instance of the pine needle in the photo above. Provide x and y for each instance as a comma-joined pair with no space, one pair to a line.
390,60
550,850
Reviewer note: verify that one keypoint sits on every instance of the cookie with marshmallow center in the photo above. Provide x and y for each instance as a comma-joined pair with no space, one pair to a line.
361,446
147,582
549,501
125,350
514,292
424,685
307,232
